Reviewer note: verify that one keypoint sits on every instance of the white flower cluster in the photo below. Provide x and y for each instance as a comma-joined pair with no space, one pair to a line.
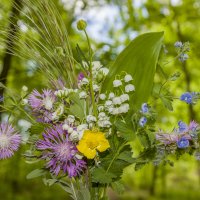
75,133
103,120
64,92
118,103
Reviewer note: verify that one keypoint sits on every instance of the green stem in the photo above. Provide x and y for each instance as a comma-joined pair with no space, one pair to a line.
72,186
117,153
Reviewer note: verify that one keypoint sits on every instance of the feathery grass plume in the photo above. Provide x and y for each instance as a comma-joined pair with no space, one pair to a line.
50,47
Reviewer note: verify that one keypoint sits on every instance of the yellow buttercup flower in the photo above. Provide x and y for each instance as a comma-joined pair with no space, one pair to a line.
91,142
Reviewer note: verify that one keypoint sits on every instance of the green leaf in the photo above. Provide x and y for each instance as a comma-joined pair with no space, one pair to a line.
36,173
139,59
77,109
126,130
36,129
99,175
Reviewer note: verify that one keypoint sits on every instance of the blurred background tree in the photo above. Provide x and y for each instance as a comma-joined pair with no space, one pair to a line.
112,24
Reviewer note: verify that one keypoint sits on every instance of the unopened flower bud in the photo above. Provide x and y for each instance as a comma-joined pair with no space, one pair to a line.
81,25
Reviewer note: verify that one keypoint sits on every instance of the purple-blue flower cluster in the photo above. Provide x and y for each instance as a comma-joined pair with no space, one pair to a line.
144,110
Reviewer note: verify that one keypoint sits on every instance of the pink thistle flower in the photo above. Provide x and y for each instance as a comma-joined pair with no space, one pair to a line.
9,140
60,152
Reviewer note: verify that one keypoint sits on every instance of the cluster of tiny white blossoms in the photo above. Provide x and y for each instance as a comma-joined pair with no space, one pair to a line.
98,74
76,132
117,102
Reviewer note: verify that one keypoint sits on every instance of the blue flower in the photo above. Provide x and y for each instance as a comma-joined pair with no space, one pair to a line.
183,143
187,97
144,108
143,121
178,44
183,57
182,126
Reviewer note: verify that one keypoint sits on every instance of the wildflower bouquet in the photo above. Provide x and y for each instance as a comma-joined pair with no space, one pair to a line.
84,122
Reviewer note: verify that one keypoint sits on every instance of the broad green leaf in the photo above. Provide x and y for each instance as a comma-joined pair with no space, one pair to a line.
77,109
125,130
36,173
139,59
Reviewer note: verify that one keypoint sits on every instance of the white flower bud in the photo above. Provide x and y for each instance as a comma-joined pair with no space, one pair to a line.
129,88
108,103
128,78
100,108
101,115
116,101
124,97
104,71
74,136
117,83
24,101
96,65
110,110
82,95
111,95
70,130
124,108
82,127
95,87
102,96
91,118
71,119
84,81
59,111
115,111
78,156
24,88
65,126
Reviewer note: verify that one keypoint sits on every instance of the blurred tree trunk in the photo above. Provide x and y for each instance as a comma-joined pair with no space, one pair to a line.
12,30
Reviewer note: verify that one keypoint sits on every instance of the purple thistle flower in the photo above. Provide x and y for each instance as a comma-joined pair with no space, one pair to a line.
183,143
42,105
42,101
60,152
187,97
9,140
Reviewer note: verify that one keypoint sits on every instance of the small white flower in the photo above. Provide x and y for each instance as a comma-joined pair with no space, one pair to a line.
129,88
82,95
82,127
75,90
48,103
24,101
59,111
117,101
91,118
104,123
74,136
24,88
128,78
84,81
70,130
65,126
102,115
100,108
78,156
104,71
117,83
108,103
61,93
115,111
96,65
110,110
124,97
111,95
102,96
71,119
124,108
95,87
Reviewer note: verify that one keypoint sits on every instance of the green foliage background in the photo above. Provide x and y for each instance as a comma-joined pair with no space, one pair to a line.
180,21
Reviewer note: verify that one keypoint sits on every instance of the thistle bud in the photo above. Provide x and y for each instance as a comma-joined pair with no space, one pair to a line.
81,25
